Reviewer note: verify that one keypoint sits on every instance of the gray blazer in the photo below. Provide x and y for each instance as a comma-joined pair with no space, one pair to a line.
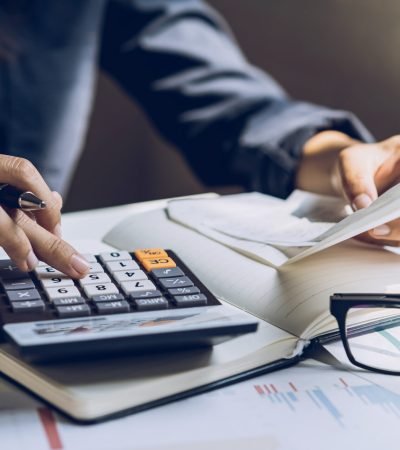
179,61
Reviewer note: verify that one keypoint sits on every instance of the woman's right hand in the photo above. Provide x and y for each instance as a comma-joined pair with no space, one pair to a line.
37,234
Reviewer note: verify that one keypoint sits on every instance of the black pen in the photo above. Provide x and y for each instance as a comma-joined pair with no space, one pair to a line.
12,197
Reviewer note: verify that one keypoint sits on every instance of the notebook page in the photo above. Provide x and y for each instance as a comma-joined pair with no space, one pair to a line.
295,298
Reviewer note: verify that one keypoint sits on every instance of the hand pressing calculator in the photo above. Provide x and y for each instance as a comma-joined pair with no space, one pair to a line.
137,302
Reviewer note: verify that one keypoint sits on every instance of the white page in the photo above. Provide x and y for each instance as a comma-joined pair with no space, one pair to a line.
245,210
258,218
384,209
296,222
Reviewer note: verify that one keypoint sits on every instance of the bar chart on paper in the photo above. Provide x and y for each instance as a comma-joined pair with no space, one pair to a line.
334,399
297,408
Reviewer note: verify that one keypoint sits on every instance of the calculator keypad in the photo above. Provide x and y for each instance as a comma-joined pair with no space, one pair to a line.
118,282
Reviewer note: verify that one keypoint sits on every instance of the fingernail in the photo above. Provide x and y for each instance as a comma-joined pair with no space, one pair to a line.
57,231
382,230
79,263
361,201
31,261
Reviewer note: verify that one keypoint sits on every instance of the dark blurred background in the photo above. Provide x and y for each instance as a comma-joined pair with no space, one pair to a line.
341,53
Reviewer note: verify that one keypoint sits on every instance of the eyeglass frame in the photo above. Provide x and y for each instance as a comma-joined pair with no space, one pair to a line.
340,304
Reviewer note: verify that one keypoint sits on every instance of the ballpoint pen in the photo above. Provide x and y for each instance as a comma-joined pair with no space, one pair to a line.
12,197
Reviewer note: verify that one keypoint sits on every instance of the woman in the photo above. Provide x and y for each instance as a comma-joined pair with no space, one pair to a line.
178,60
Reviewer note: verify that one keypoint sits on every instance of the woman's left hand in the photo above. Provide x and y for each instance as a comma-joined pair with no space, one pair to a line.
333,163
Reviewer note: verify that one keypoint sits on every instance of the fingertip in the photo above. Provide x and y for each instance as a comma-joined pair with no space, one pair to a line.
31,261
361,201
383,231
28,263
79,264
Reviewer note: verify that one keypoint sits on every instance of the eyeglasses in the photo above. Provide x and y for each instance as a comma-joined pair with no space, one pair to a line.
369,325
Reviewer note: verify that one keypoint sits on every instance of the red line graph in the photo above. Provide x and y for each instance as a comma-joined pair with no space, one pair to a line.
50,428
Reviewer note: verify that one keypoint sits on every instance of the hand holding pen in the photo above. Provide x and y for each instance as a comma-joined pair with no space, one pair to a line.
11,197
30,220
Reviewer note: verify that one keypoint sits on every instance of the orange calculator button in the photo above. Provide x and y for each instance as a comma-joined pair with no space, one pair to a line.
158,263
146,253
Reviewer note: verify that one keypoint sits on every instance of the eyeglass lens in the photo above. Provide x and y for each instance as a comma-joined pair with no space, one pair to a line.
374,345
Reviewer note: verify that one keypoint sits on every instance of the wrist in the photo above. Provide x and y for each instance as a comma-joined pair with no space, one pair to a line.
328,141
317,171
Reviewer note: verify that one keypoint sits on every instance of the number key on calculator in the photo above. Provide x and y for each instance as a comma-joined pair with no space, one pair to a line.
147,300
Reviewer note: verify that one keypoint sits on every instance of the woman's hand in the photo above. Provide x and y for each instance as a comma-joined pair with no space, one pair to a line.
333,163
29,236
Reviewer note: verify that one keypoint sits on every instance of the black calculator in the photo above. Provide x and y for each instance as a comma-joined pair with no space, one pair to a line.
141,301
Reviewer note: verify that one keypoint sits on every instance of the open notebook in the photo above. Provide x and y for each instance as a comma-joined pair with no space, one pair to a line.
289,298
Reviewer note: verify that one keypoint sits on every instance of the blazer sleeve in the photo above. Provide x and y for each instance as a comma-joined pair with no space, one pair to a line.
233,122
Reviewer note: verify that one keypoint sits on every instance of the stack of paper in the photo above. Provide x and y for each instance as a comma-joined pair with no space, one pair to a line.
278,232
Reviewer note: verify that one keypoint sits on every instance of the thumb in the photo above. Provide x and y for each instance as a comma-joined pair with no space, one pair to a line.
357,170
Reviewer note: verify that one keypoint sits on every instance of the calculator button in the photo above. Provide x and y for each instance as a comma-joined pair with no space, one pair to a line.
90,258
95,268
166,273
6,264
150,304
184,290
146,253
121,306
62,292
46,271
130,275
95,278
18,284
115,256
8,271
102,288
190,300
134,286
170,283
27,294
56,281
145,294
68,301
107,298
28,306
73,311
158,263
115,266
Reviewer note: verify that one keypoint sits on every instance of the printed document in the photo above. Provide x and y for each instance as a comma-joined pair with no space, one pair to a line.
279,232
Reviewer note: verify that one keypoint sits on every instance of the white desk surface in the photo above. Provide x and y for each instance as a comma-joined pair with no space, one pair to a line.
93,224
307,407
